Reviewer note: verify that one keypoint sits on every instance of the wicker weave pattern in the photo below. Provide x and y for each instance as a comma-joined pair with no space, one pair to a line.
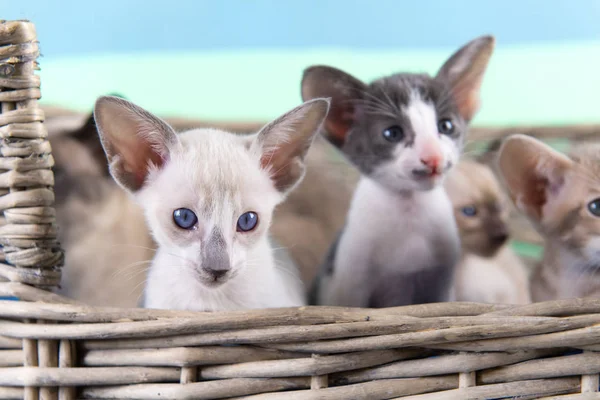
53,348
439,351
30,253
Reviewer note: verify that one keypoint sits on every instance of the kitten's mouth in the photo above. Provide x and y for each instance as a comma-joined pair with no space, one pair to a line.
430,173
425,173
211,281
214,280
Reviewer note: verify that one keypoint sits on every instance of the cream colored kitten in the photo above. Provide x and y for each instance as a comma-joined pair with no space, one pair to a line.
560,194
488,271
208,197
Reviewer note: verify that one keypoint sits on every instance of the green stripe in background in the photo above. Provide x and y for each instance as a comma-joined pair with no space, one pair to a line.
542,84
549,85
527,250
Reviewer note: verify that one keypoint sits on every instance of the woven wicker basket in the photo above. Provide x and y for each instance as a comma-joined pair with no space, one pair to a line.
54,348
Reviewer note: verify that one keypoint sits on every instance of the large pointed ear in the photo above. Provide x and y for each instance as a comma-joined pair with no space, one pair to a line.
133,139
87,135
283,143
534,175
464,71
344,91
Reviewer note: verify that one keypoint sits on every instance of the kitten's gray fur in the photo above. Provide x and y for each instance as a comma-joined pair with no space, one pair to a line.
374,275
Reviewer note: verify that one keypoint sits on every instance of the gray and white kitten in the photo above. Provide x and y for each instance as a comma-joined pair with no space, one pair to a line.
208,197
403,132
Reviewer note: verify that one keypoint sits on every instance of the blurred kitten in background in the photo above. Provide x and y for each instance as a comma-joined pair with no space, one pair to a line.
102,231
560,194
488,271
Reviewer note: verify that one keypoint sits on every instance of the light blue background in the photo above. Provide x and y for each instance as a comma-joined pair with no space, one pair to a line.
68,27
243,59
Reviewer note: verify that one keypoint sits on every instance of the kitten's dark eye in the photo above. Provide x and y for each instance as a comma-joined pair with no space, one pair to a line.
184,218
393,134
594,207
445,127
247,222
469,211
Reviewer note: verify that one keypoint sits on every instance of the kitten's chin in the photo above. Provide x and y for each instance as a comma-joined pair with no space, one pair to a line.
420,184
428,183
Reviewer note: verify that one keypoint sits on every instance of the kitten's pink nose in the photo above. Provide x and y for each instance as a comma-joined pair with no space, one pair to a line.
432,162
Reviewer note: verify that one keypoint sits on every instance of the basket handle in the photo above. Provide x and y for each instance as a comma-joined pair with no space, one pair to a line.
29,248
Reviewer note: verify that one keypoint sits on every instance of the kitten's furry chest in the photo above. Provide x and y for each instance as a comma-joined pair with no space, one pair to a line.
406,233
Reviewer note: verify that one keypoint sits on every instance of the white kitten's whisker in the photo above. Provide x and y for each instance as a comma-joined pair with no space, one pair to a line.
127,268
129,275
180,257
288,272
143,283
134,246
278,248
131,272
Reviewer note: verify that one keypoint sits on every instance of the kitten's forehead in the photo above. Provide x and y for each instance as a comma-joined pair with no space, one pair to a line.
215,169
583,179
215,158
587,159
401,89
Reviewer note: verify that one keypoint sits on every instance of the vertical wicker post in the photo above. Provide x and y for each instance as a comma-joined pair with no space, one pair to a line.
29,253
29,250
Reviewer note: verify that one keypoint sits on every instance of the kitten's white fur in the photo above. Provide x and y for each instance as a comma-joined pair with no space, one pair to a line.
397,230
218,176
390,231
192,179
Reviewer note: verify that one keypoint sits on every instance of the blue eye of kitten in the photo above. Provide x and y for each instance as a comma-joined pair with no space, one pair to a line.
469,211
594,207
184,218
247,222
393,134
445,126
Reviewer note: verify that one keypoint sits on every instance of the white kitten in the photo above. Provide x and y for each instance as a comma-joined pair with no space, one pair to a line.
208,197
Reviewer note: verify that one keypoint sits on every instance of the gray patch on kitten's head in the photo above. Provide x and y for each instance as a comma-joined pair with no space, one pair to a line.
415,103
384,103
